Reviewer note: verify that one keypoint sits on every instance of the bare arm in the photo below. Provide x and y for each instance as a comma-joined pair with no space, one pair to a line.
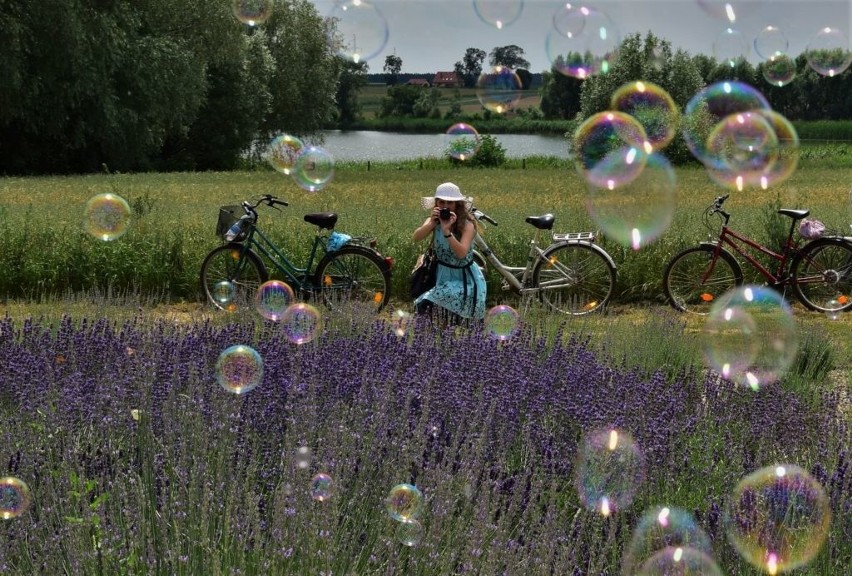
427,227
460,246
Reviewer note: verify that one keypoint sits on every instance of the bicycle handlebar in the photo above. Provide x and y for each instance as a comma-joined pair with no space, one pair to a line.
480,215
267,199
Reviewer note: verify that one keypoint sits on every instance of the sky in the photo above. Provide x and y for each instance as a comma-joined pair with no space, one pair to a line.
432,35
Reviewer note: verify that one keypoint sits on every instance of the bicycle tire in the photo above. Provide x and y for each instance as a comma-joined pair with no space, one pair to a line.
241,268
822,275
574,279
353,275
682,278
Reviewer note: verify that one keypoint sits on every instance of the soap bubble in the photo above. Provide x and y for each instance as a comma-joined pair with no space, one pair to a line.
652,107
301,323
462,141
15,497
592,50
313,169
750,337
321,487
499,90
602,134
730,47
239,369
828,52
659,528
360,30
404,502
498,13
778,518
779,69
609,469
770,42
273,298
252,12
283,151
409,532
501,322
636,203
107,216
680,561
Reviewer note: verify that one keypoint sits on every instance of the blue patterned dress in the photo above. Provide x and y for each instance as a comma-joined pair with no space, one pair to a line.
459,285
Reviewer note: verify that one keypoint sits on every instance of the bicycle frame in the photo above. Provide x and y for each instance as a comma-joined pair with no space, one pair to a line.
300,278
519,277
729,237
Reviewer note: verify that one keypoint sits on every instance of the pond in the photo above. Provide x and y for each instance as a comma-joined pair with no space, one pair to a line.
364,145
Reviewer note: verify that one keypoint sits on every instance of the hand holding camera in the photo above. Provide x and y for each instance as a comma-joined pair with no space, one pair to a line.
444,214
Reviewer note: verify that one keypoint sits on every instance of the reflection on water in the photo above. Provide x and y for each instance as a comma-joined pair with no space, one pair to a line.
385,146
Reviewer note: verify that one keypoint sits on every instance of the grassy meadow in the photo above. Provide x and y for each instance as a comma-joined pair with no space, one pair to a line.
138,462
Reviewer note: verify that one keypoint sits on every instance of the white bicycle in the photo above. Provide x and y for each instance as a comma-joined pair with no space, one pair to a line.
572,275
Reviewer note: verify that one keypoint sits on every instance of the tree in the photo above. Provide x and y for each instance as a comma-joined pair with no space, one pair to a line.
525,77
510,56
470,67
352,77
560,94
393,65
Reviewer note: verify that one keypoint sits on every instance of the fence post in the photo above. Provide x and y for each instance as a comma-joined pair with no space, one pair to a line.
368,165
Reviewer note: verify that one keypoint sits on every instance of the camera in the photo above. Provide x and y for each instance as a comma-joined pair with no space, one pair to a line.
444,214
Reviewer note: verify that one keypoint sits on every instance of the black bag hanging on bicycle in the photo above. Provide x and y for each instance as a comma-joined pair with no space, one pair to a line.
424,274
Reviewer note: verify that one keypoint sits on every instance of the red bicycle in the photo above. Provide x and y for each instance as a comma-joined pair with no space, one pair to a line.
819,271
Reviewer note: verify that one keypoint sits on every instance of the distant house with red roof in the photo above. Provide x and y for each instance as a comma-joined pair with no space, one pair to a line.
447,80
418,82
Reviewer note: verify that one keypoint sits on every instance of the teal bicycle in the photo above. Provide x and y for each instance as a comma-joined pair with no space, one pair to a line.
349,271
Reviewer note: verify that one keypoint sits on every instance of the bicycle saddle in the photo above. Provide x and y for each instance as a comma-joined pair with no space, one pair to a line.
541,222
794,214
322,219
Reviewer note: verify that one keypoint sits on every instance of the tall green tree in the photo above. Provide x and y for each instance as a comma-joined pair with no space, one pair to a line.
470,67
560,94
510,56
352,77
393,65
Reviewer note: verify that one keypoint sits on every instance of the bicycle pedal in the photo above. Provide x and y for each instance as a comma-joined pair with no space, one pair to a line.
505,285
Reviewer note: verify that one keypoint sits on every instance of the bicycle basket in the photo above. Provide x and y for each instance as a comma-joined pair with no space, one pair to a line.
227,216
811,229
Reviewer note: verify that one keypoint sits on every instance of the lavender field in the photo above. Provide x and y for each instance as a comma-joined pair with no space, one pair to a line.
138,462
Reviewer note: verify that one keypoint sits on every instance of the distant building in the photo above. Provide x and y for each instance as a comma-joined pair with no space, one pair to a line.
447,80
419,82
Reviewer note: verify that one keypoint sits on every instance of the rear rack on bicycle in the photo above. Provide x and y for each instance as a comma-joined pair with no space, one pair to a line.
574,236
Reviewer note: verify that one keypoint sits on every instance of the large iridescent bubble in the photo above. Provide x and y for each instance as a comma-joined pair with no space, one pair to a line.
602,134
499,89
659,528
828,52
498,13
582,43
609,470
360,30
779,69
750,337
652,106
710,106
778,518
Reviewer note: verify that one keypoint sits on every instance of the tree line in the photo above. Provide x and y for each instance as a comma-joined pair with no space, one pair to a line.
156,84
183,85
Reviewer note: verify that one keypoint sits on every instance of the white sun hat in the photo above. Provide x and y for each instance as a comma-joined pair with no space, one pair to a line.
446,191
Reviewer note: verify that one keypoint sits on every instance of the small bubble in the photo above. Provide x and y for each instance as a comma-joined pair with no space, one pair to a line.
223,292
609,469
501,322
402,323
659,528
403,502
313,169
499,89
303,457
462,141
283,151
239,369
273,298
107,216
14,497
321,487
361,30
498,13
252,12
301,323
409,532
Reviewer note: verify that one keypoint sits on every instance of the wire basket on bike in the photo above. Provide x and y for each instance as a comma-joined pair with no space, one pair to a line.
228,215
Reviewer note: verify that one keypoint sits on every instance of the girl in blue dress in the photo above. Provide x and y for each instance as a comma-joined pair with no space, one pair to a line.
459,290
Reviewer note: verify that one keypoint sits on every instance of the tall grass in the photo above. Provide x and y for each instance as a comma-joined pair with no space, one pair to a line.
43,249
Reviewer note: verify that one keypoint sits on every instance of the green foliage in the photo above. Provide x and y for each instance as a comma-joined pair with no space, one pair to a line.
470,66
560,95
510,56
490,154
393,65
351,78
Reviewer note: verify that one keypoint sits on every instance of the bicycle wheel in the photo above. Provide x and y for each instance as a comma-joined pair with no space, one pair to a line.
693,280
230,277
354,276
574,278
822,275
